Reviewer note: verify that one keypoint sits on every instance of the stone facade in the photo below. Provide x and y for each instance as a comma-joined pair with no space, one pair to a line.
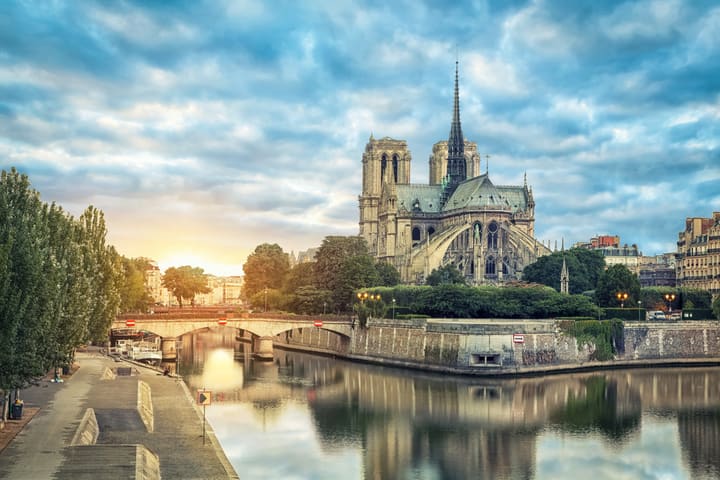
698,254
460,217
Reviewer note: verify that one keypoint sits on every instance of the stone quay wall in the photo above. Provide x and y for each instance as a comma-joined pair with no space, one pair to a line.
505,347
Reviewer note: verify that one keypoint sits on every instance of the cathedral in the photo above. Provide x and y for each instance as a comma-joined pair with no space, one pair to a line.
460,217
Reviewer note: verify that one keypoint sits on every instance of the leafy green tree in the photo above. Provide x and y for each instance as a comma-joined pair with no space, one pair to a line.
355,272
100,266
185,282
584,267
716,307
267,300
299,276
338,273
308,300
134,295
265,268
387,274
445,275
617,279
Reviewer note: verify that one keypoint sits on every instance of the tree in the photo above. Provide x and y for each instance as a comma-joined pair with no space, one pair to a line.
617,279
387,274
185,282
299,276
716,307
57,283
584,267
446,275
265,268
342,264
134,295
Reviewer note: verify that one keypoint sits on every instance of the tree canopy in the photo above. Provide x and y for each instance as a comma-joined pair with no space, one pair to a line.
265,268
617,279
445,275
185,282
584,268
59,282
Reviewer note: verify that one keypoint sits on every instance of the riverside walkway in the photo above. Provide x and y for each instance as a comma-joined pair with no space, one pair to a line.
125,446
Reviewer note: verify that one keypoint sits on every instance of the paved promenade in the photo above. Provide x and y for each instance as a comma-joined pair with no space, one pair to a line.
42,449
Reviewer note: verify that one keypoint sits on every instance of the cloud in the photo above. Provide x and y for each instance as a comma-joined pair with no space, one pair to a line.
251,118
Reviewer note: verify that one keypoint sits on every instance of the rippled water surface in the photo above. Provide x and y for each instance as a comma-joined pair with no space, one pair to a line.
313,417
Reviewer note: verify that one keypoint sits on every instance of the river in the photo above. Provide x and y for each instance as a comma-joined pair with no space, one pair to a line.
313,417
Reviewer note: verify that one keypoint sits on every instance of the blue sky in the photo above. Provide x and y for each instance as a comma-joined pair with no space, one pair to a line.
203,129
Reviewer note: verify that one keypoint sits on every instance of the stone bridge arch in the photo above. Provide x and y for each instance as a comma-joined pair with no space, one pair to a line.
264,329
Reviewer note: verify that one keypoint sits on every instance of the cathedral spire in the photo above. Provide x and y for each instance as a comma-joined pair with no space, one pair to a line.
456,166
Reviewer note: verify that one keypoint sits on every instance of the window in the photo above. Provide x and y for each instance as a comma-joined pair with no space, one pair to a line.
395,167
490,266
416,234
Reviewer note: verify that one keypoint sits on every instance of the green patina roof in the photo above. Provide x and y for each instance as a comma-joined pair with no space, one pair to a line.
427,196
478,192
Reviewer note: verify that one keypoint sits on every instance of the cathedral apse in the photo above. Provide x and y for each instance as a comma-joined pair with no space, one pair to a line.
460,217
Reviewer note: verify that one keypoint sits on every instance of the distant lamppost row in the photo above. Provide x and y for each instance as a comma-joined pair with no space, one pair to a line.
622,296
670,297
362,296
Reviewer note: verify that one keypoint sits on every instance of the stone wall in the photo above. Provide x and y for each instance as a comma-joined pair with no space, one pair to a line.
503,346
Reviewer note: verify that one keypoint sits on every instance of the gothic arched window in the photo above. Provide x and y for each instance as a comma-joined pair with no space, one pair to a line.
395,167
416,234
383,166
431,230
492,235
490,266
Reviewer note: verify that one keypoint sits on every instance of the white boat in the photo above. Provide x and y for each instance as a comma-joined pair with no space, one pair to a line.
145,352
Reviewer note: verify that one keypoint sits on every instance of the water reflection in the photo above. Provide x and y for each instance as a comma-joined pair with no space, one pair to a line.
305,417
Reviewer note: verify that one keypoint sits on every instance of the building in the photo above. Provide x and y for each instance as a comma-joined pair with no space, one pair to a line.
657,271
614,253
224,290
698,254
460,217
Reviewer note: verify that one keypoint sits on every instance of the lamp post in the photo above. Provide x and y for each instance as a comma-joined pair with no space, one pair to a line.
622,296
639,303
670,297
324,307
393,307
266,299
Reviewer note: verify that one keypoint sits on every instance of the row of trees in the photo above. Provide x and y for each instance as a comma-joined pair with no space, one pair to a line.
59,282
342,266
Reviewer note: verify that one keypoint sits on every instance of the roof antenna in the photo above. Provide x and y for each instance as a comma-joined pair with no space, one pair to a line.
487,164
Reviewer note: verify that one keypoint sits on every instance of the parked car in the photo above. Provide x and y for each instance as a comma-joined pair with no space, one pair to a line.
656,315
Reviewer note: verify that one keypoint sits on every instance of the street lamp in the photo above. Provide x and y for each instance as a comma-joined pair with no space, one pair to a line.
622,296
393,306
639,303
266,299
670,297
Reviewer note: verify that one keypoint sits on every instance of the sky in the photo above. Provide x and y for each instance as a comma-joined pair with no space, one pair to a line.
205,128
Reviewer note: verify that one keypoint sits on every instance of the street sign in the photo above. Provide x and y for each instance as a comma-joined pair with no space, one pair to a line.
518,338
204,397
130,323
222,321
318,323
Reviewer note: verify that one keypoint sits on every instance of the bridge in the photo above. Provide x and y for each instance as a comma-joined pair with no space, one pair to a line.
264,327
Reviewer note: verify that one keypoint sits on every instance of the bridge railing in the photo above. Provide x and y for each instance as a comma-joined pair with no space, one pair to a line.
192,314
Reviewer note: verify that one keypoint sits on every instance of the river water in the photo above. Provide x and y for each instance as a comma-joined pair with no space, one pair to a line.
312,417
